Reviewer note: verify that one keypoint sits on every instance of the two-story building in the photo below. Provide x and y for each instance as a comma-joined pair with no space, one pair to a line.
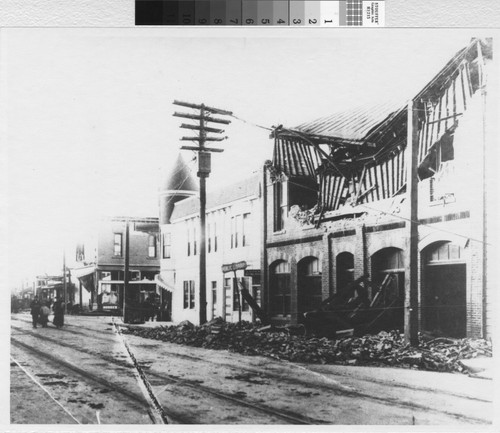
338,206
143,250
233,234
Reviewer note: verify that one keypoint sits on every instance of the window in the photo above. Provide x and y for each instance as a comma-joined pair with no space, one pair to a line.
233,232
194,239
280,293
209,238
280,205
191,237
215,237
188,294
134,275
237,233
118,244
246,230
167,245
152,246
309,291
246,281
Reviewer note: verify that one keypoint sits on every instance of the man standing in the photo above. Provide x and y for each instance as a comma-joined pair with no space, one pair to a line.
35,310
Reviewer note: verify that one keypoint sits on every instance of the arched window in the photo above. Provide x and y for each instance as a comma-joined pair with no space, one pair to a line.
279,289
345,270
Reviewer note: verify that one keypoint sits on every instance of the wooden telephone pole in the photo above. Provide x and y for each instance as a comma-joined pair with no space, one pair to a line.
204,167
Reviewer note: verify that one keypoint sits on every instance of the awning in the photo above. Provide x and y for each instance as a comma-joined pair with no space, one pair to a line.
83,272
163,284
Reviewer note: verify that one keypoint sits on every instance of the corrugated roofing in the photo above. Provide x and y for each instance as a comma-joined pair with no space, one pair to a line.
244,188
353,124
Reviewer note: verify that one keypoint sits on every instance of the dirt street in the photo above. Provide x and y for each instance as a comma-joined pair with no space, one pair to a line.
84,374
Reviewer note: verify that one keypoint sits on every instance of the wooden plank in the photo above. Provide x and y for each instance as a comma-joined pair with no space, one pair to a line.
462,84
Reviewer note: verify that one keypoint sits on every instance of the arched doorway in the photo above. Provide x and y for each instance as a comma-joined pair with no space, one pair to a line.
444,296
344,265
389,262
309,290
279,289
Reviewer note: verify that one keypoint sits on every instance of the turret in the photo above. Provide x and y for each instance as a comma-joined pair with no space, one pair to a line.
177,185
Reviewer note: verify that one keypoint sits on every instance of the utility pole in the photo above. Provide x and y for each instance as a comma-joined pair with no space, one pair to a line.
411,259
204,168
64,280
126,308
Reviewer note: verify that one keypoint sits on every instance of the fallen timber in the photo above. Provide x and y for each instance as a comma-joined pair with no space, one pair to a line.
351,312
382,349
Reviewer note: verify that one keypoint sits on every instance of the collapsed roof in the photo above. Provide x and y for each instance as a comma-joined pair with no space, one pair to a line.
360,154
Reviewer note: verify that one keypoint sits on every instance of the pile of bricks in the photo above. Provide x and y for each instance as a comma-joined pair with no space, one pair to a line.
384,348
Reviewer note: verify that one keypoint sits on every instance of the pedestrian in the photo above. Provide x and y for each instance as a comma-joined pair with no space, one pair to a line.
35,310
58,320
44,315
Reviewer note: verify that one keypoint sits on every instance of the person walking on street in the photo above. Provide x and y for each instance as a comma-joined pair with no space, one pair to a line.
44,315
35,310
58,314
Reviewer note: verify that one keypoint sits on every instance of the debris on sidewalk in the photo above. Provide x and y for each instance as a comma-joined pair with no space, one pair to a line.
384,348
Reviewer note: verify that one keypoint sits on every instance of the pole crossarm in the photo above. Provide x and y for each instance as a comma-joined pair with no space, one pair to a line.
204,107
204,139
204,118
198,128
205,149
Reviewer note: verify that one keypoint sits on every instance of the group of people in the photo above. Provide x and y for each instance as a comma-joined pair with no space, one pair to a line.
151,310
40,313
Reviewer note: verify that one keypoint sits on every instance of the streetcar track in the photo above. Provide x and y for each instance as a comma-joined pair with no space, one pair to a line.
295,380
98,380
282,414
331,388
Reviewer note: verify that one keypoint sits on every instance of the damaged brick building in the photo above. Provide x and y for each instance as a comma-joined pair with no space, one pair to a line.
338,205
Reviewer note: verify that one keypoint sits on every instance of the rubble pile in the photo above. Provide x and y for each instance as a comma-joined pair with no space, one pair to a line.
384,348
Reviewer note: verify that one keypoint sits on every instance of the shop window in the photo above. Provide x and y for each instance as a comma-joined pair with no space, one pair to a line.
117,244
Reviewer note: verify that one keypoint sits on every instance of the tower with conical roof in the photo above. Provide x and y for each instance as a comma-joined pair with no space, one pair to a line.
178,184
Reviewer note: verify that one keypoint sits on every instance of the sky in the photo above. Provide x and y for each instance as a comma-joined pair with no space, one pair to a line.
86,114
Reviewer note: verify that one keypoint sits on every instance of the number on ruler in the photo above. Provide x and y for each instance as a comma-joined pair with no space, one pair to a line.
217,21
249,21
313,21
297,21
235,21
266,21
280,21
202,21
